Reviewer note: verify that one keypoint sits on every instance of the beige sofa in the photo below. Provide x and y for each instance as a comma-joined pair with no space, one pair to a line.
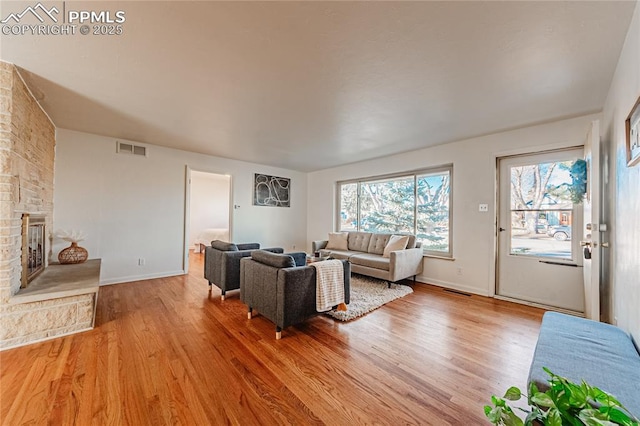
365,251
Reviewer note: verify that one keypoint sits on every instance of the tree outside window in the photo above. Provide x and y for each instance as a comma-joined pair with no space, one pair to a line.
416,203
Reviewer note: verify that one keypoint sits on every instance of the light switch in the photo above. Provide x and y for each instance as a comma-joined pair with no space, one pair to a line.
483,207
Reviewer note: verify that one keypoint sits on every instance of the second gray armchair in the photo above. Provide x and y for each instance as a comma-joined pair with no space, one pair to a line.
282,288
222,263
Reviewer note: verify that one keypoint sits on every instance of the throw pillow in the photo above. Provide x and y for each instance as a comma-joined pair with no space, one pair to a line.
396,242
337,241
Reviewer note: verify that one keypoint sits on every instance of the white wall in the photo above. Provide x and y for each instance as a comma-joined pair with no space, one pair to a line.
133,207
474,182
624,206
209,203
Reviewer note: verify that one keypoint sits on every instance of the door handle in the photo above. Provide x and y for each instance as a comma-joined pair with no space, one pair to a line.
604,245
585,243
501,229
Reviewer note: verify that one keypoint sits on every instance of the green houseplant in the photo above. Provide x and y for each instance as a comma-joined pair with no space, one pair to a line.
564,403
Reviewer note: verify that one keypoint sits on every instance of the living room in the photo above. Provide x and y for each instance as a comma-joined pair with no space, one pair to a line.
133,208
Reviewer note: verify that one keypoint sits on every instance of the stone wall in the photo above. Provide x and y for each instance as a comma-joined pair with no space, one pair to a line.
27,154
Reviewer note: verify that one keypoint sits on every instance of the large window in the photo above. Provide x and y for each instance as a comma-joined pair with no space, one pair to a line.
408,203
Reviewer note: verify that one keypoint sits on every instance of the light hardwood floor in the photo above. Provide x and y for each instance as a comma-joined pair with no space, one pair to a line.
166,351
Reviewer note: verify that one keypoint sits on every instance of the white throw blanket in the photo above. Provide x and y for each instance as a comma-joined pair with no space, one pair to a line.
329,284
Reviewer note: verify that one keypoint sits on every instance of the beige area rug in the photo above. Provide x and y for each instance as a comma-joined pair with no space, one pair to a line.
368,294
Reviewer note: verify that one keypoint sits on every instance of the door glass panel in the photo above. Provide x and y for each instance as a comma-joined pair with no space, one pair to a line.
541,210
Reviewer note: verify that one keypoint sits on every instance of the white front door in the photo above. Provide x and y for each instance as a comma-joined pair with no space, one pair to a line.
539,256
591,235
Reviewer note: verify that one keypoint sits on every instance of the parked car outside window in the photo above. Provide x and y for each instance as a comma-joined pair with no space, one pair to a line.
560,232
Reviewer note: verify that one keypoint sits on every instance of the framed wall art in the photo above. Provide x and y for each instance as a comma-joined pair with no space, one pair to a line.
632,128
271,191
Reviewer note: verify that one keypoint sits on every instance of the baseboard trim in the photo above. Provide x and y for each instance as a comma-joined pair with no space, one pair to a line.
44,339
132,278
539,305
452,286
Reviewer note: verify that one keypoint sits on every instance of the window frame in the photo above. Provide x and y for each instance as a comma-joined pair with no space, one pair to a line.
411,173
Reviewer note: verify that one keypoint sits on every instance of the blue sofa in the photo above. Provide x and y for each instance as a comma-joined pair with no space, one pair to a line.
601,354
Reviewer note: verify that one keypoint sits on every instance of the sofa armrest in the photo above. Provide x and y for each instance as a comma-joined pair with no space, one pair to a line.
300,258
318,245
405,263
248,246
274,249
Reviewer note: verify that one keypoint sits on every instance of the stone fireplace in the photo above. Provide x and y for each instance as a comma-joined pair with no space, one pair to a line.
58,300
33,247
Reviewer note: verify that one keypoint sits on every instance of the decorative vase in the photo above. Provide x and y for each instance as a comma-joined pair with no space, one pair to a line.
73,254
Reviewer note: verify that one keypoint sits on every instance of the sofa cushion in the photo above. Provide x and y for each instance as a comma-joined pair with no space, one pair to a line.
378,243
338,254
359,241
396,242
223,246
273,259
337,241
370,260
412,242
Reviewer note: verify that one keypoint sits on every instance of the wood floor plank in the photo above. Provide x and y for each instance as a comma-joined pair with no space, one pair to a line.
169,351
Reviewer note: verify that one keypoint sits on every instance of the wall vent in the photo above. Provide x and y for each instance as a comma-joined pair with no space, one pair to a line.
128,148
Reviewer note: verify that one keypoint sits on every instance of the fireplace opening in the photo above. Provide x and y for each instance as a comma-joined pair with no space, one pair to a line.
33,247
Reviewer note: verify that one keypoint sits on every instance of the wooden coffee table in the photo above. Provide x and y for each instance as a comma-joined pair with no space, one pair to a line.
312,259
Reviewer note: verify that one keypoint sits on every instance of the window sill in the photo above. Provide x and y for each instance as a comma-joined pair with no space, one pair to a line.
433,256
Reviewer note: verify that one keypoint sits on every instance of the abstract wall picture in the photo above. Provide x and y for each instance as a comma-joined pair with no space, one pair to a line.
632,127
271,191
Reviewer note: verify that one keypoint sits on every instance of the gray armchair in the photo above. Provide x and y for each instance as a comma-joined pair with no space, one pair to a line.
281,287
222,263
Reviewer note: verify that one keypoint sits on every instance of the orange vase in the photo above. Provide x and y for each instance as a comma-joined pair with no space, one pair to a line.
73,254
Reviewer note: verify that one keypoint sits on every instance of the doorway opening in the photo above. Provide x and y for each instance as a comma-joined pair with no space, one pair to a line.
539,225
207,211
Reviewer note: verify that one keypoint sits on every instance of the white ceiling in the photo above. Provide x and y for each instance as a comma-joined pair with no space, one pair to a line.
310,85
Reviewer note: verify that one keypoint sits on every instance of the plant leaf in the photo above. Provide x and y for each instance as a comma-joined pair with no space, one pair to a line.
593,417
513,394
577,398
604,398
498,402
542,400
618,416
534,415
494,415
512,420
553,417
